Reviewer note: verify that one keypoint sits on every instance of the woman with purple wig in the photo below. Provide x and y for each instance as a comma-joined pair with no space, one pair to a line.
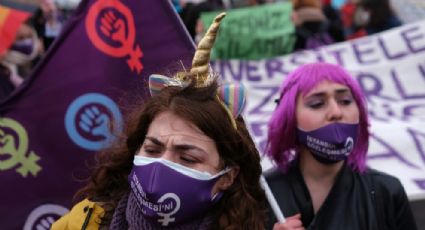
318,138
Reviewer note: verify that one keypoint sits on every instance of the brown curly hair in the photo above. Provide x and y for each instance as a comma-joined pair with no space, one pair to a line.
242,205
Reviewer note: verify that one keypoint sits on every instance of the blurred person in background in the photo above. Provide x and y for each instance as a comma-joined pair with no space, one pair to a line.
19,47
353,22
50,18
192,10
335,20
191,14
310,20
26,47
377,16
6,85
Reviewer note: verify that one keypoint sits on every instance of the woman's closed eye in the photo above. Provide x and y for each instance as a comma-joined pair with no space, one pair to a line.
189,159
188,154
345,100
152,150
315,104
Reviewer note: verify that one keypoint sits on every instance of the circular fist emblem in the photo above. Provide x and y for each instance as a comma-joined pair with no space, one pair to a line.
110,27
44,216
91,121
14,149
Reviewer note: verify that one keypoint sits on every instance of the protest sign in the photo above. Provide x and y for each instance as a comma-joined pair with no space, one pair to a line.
390,68
254,32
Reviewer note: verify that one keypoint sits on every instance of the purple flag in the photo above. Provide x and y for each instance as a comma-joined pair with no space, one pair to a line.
55,122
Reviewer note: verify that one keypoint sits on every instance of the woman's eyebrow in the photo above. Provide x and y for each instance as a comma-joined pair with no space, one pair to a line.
342,91
155,141
187,147
179,147
322,93
317,94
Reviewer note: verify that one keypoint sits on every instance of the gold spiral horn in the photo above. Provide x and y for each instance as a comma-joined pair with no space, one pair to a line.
200,67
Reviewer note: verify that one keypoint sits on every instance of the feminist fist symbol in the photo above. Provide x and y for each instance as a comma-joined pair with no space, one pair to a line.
113,27
45,223
17,154
117,24
95,122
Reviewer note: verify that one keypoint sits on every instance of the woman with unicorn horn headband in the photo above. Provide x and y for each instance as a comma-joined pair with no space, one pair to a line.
187,162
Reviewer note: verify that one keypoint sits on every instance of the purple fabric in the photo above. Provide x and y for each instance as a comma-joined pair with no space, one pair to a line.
163,195
128,215
330,143
41,165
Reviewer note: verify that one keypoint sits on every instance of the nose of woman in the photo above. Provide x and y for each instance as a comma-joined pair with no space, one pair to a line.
334,111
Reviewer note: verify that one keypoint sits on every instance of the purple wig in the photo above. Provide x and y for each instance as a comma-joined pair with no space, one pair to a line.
282,143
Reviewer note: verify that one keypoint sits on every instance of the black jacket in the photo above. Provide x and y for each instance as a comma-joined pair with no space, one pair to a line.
368,201
6,86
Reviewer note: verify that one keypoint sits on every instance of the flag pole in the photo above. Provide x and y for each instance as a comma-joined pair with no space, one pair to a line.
272,200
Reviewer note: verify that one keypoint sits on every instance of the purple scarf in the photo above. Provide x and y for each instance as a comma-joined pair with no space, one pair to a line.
128,215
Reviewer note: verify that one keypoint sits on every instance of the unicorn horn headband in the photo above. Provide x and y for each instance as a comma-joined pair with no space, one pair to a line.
230,96
201,58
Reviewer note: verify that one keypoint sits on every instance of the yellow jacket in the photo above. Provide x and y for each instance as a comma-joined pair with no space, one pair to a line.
83,216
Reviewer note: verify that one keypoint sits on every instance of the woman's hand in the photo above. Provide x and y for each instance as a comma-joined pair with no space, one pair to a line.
291,223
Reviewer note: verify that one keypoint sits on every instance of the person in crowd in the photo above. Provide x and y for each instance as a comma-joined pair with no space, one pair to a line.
48,21
6,85
188,161
191,14
26,48
310,21
334,18
352,19
318,138
20,45
377,15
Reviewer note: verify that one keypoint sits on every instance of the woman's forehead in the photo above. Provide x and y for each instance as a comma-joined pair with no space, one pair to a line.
325,85
168,124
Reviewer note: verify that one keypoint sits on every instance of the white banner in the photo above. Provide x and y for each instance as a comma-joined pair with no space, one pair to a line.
389,66
409,10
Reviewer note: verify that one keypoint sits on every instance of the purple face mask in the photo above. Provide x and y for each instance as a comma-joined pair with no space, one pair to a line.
331,143
24,46
169,193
